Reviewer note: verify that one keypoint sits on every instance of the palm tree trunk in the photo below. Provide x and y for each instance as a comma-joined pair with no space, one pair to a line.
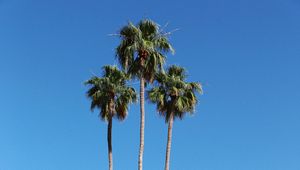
168,150
142,122
110,156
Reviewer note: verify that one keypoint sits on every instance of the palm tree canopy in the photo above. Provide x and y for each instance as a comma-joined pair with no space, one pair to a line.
144,41
172,95
110,90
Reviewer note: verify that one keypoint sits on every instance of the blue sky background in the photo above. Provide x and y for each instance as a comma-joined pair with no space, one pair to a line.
246,54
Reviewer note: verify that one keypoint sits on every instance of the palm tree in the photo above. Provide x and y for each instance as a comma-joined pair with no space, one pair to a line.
111,95
141,53
173,97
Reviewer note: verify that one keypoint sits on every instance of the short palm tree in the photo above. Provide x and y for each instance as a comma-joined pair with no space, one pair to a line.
173,97
111,95
141,53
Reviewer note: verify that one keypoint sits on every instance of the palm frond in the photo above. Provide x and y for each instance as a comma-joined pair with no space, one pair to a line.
172,95
110,94
177,71
145,41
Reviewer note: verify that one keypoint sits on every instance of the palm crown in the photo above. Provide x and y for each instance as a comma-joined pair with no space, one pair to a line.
142,49
173,95
110,93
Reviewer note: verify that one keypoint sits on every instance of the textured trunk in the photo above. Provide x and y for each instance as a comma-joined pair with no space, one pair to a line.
142,121
110,156
109,138
168,150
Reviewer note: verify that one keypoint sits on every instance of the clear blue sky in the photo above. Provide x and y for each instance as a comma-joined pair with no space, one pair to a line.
246,54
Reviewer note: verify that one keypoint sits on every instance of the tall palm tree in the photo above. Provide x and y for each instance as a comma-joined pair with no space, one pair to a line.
173,97
112,96
141,53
